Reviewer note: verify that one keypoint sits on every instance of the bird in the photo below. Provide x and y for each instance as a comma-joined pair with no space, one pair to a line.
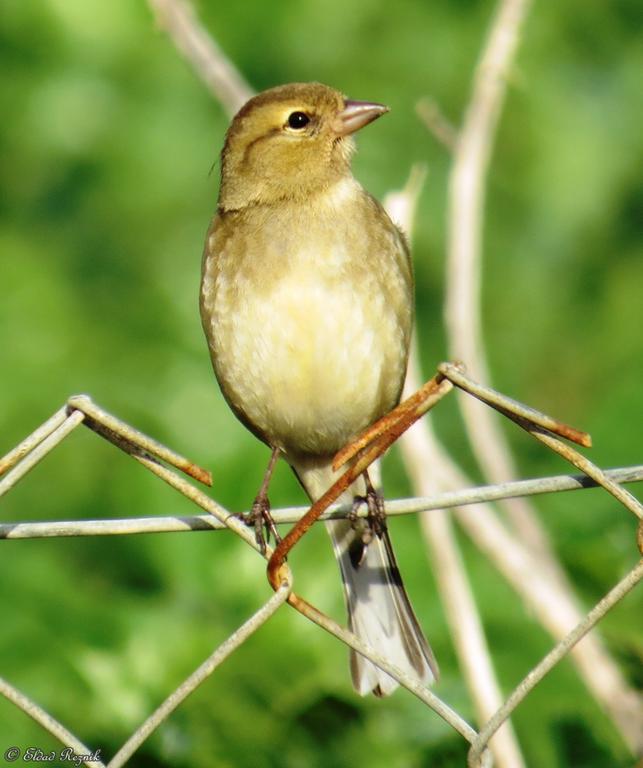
307,306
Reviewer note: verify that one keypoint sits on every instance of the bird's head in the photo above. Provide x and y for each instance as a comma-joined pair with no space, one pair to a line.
290,142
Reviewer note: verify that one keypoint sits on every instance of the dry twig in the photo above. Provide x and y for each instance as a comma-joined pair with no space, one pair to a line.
429,112
464,330
444,554
223,79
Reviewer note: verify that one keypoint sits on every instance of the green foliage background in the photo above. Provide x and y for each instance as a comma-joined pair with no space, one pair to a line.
107,139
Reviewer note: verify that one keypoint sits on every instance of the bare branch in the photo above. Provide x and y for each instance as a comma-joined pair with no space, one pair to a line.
464,621
178,19
559,611
428,110
401,205
553,657
455,588
467,184
465,222
554,608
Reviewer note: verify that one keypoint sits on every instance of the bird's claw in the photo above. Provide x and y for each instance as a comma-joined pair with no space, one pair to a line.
376,512
375,522
260,518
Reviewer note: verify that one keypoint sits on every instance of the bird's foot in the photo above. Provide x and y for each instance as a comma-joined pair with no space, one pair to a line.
376,512
375,522
360,524
260,518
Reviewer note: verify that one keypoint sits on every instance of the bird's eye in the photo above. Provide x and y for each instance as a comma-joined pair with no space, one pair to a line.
298,120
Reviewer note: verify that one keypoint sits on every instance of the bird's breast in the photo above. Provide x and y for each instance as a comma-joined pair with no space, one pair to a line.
308,329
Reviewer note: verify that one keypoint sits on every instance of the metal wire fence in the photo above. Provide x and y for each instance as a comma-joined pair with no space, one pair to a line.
164,462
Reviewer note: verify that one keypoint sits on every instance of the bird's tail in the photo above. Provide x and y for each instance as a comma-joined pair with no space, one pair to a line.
379,611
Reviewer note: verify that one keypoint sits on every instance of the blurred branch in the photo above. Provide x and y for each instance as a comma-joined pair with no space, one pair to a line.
526,560
554,608
453,581
463,288
553,657
467,184
441,127
455,589
401,204
225,82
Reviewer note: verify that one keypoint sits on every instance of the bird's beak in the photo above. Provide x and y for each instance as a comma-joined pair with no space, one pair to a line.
355,115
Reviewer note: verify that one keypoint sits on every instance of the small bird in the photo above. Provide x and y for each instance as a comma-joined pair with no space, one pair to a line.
307,306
